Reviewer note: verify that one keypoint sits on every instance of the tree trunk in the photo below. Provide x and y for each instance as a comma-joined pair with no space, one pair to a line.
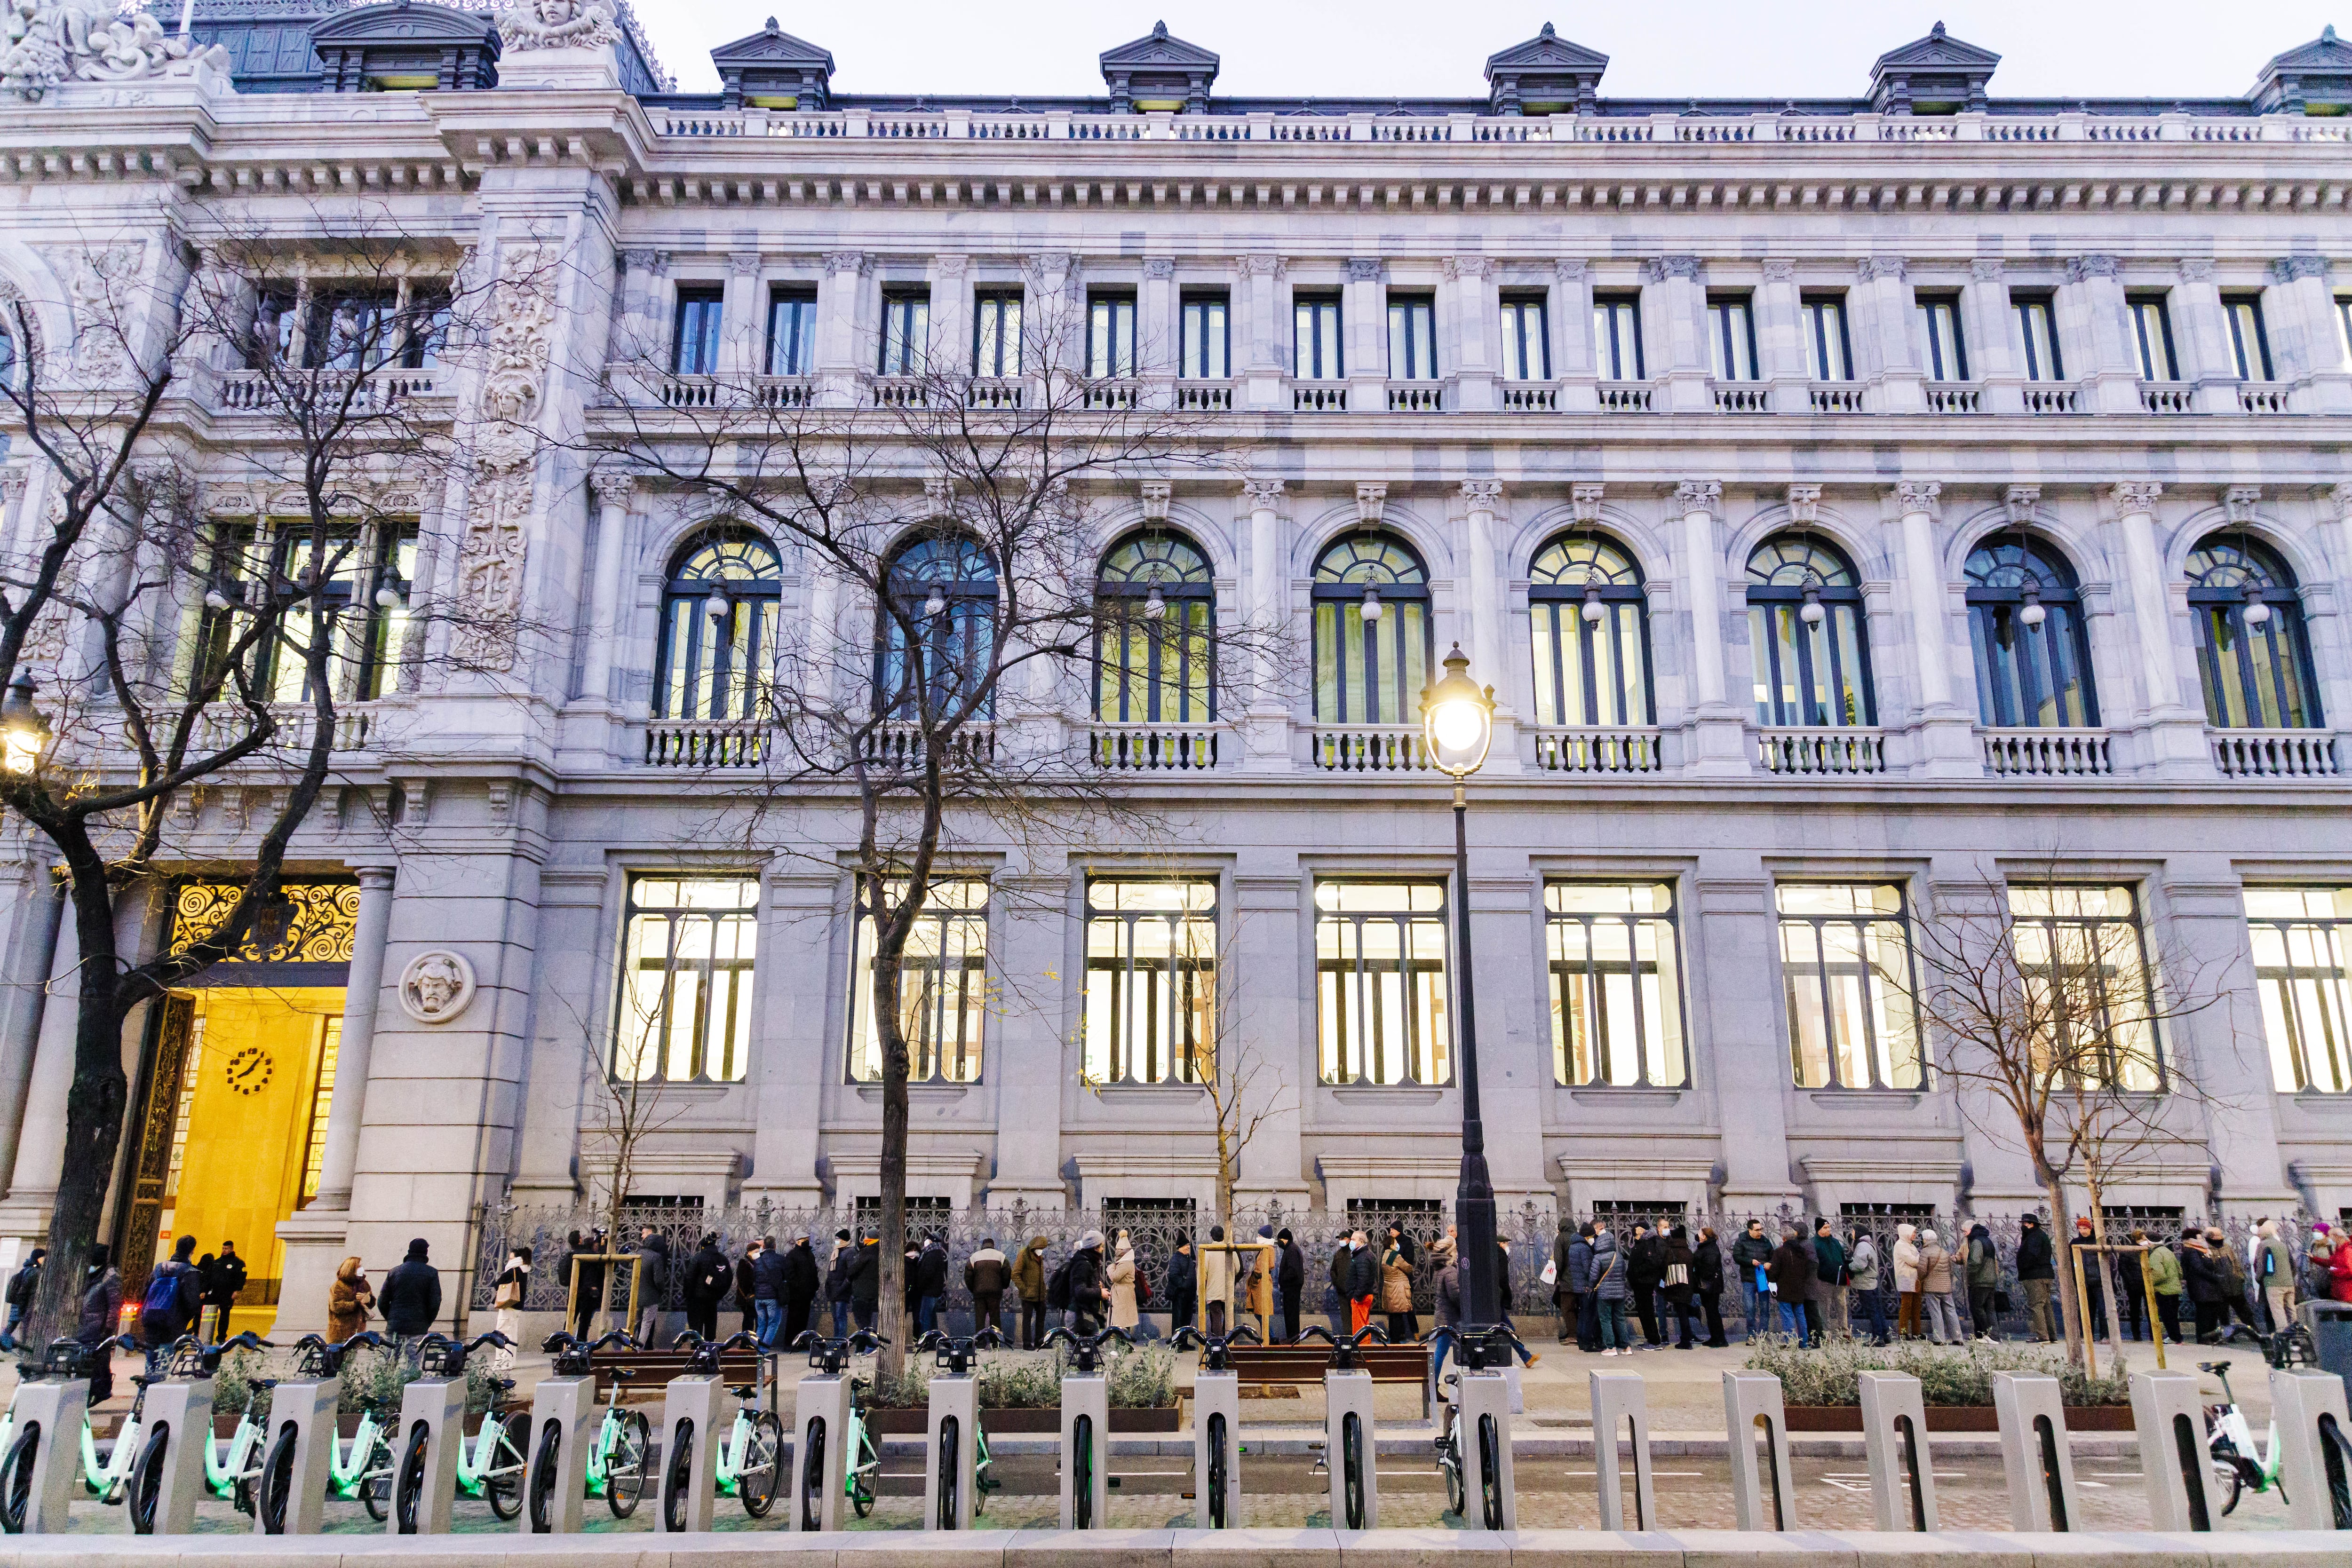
890,1318
94,1110
2062,1226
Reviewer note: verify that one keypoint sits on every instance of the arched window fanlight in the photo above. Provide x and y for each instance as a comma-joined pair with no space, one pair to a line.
720,610
1591,632
2254,652
1373,635
2026,637
1806,636
1155,623
937,645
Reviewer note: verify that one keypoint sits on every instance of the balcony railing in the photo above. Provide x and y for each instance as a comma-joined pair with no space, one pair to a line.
224,724
785,392
1318,397
2167,397
1598,749
2046,753
1156,748
995,391
1742,397
900,392
2043,398
1114,397
1203,397
1823,750
691,391
1627,397
900,747
739,742
1955,397
2275,754
1835,397
2262,399
379,391
1530,397
1416,397
1369,748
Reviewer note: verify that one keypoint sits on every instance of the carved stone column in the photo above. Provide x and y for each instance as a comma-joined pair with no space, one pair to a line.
1483,498
1987,334
1886,336
841,316
1719,745
1159,332
1945,736
1572,348
1780,349
1363,310
1674,329
2201,337
1263,364
2094,329
1471,281
2304,333
1267,720
2172,734
611,487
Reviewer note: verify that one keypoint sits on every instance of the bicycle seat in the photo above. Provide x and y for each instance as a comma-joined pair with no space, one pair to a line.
744,1391
503,1385
142,1381
2212,1366
623,1374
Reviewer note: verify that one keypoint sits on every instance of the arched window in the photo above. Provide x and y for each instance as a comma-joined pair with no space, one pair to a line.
1591,634
943,586
2251,649
718,627
1805,633
2025,631
1372,637
1155,608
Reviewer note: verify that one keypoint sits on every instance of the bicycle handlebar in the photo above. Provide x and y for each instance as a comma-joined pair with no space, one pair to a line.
1085,1351
1215,1350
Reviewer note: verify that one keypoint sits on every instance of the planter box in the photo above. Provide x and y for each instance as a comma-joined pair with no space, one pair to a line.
1956,1418
1045,1421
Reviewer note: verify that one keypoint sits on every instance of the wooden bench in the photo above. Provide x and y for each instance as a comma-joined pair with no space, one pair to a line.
1303,1364
652,1370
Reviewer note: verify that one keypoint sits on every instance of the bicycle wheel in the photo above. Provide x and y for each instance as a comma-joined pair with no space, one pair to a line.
2229,1480
1082,1471
1216,1499
408,1490
983,1477
17,1480
761,1478
543,1479
1490,1472
147,1479
624,1463
375,1479
503,1483
811,1468
1352,1478
275,1492
950,1471
677,1476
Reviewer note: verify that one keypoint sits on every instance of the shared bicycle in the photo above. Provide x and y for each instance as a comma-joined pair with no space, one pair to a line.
616,1458
1475,1351
830,1356
492,1466
2238,1463
1086,1356
955,1356
748,1463
229,1469
65,1360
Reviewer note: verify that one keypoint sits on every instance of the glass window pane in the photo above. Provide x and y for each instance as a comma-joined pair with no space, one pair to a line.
1616,999
688,948
1846,973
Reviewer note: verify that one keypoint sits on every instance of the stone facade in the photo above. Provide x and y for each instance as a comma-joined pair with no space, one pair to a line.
500,823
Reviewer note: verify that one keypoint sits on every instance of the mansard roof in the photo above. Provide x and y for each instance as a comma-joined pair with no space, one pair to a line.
1158,47
405,45
771,45
1939,72
1159,69
406,22
2318,72
1547,69
773,67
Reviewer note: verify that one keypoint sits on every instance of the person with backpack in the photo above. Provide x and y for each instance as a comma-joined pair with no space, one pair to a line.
1029,1276
22,1285
169,1307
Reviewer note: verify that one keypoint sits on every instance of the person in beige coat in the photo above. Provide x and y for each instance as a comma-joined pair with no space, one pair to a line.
1906,1281
1216,1281
1123,1314
1936,1291
1396,1295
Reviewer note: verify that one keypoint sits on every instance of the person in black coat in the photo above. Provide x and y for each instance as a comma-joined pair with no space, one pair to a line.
836,1282
223,1276
1646,1267
410,1299
747,1286
1290,1282
1182,1284
708,1277
590,1299
1707,1284
1089,1287
927,1282
653,1283
1363,1282
800,1281
866,1280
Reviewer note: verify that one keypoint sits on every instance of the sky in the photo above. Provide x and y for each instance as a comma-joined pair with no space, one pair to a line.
1438,47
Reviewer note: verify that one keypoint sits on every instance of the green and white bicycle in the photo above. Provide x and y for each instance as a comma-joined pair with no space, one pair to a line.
616,1458
749,1462
359,1469
232,1467
830,1356
491,1465
955,1357
67,1359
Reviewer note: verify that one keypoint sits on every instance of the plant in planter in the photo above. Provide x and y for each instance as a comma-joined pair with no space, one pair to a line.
1142,1379
1949,1375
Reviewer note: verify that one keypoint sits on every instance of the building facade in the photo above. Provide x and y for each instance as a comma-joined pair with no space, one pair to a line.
1853,503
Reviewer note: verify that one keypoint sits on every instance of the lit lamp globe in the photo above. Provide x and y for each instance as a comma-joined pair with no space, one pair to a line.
24,729
1457,717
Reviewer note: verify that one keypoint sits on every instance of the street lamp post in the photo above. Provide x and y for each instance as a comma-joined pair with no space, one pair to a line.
24,729
1458,722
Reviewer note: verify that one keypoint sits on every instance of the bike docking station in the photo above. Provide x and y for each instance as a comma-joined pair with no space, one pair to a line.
1621,1409
821,1455
689,1436
562,1423
1752,1400
1482,1428
1216,1427
2169,1412
302,1410
1349,1451
179,1431
1085,1429
952,1450
2313,1435
1894,1445
52,1406
2035,1459
430,1440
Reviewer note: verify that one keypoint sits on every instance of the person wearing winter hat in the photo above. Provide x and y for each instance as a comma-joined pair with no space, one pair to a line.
1090,1284
411,1297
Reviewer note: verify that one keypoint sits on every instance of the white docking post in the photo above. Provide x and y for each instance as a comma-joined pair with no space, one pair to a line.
1216,1452
2169,1412
1621,1408
567,1408
1086,1448
2035,1457
690,1425
1350,1446
950,1471
433,1412
53,1409
1483,1431
820,1452
309,1408
1752,1400
1894,1439
2315,1439
183,1412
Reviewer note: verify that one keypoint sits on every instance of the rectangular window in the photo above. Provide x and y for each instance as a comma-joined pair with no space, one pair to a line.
1151,981
1731,337
1946,357
2249,342
2301,936
322,1098
1616,985
1380,981
1205,339
1827,342
1845,965
695,350
352,330
1412,339
1617,337
365,580
1315,345
424,328
996,334
687,946
943,987
2152,336
2037,324
2344,331
1110,336
276,312
906,334
792,333
1527,342
2083,962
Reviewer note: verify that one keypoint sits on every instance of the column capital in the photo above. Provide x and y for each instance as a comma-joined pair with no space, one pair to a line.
2239,501
1873,268
375,878
1363,269
744,262
1482,494
2338,499
850,262
1988,269
2081,268
1804,503
612,486
1659,268
1700,496
1780,269
1461,266
1160,267
2136,495
2196,269
1261,263
1263,494
1917,496
1584,500
1568,268
652,262
2288,269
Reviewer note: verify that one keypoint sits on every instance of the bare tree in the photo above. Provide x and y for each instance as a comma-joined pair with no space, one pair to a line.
2052,1012
179,634
951,526
623,1102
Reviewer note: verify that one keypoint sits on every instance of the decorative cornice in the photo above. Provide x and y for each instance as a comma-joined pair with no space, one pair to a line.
1700,496
2288,269
1584,500
1263,494
1363,269
1917,496
1160,267
2080,267
2196,269
1873,267
1482,495
1804,503
1372,501
2021,502
1659,268
2136,495
2239,501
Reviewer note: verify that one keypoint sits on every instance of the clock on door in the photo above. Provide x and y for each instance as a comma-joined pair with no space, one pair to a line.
249,1070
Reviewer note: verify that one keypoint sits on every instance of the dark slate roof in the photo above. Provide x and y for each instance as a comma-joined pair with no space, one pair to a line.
1938,49
1546,49
771,45
1158,47
2317,72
